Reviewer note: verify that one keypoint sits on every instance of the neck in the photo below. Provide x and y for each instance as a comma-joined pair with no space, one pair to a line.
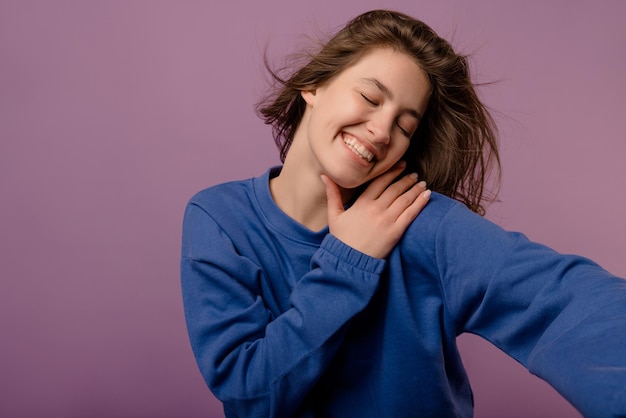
299,191
301,195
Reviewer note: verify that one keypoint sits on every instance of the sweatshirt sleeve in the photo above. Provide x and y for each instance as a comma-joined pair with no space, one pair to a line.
257,364
562,316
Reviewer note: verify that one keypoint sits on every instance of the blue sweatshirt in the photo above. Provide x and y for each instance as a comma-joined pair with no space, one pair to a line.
287,322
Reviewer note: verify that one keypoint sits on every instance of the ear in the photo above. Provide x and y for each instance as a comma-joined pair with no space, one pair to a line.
309,96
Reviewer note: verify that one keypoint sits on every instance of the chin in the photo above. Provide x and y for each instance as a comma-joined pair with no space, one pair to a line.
350,178
351,184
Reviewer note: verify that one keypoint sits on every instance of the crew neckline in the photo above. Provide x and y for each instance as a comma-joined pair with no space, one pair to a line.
276,218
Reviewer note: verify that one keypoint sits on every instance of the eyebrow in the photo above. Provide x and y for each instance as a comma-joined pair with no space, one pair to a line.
385,90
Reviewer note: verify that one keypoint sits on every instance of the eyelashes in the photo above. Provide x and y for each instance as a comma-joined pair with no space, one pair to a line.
404,131
370,101
375,104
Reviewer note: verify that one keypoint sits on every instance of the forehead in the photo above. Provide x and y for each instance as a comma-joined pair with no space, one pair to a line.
390,71
386,62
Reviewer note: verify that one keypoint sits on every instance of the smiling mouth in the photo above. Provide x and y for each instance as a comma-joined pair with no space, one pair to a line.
358,149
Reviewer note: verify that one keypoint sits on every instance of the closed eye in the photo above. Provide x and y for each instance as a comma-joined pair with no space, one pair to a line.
370,101
404,131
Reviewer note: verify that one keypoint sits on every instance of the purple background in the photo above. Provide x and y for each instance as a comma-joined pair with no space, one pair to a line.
113,113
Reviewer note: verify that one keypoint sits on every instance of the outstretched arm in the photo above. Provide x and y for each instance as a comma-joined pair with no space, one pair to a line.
562,316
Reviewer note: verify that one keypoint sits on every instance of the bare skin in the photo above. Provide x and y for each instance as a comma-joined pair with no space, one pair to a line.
355,129
377,220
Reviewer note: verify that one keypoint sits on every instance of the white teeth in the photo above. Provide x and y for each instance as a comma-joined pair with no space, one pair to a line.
358,149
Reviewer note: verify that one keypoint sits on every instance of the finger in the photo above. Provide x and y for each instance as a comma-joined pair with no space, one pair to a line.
398,188
334,201
410,213
380,183
406,199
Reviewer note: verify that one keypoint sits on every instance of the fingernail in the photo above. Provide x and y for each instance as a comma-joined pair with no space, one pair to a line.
422,183
413,176
426,194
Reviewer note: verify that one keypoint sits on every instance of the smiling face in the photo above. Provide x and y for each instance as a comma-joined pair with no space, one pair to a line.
359,124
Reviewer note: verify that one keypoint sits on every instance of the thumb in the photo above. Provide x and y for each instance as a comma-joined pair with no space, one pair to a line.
334,201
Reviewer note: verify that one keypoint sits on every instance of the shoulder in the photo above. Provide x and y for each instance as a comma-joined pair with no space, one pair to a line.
444,215
218,210
222,195
233,198
214,217
439,211
446,222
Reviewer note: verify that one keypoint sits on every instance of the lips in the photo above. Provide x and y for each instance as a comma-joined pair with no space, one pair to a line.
358,148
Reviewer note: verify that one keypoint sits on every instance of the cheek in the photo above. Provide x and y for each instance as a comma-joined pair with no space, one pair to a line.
394,155
398,149
348,109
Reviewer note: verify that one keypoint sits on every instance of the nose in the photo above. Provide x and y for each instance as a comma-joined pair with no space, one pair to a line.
380,126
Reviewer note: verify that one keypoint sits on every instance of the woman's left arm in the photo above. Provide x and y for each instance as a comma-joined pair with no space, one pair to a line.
562,316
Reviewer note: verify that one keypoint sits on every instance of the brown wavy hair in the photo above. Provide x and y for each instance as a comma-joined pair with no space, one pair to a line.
455,146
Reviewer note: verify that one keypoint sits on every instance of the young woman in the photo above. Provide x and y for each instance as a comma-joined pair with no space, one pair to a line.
336,284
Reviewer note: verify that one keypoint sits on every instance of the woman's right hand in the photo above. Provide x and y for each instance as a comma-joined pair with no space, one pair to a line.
375,223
